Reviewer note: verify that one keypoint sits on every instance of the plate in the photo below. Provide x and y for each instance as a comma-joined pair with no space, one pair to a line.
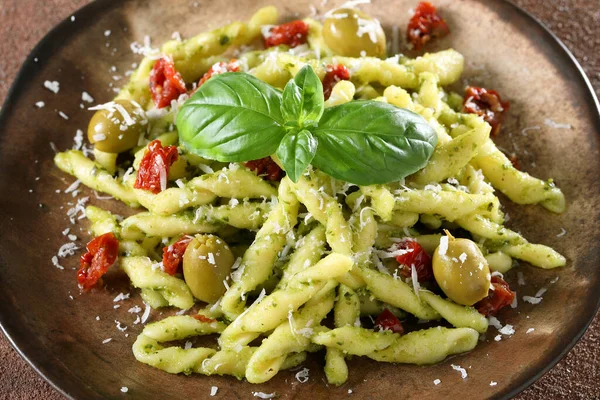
553,125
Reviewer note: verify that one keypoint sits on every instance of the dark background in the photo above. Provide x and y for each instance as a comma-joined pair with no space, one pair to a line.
576,22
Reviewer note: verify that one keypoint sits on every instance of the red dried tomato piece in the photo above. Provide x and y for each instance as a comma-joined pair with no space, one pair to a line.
486,103
334,74
166,84
102,252
219,68
203,318
265,167
497,299
417,257
425,25
154,168
515,161
386,321
291,34
173,255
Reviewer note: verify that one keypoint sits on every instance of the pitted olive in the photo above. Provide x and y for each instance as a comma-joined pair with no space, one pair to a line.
117,126
461,270
352,33
207,262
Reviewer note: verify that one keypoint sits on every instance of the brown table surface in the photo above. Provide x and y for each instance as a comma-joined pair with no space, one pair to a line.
576,22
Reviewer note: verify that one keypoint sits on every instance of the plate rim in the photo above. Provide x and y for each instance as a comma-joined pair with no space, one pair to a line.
96,6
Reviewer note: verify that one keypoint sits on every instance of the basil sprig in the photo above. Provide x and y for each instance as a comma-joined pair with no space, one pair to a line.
236,117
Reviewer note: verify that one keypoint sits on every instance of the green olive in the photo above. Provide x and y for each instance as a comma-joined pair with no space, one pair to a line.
207,262
461,271
352,33
113,132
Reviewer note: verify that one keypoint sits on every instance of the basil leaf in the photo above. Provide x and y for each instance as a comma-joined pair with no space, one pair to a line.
370,142
296,151
232,117
303,100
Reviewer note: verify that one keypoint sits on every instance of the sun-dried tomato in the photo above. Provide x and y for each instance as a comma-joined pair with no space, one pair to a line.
386,321
173,255
154,167
417,257
166,84
498,298
291,34
102,252
486,103
265,167
334,74
219,68
425,25
203,318
514,160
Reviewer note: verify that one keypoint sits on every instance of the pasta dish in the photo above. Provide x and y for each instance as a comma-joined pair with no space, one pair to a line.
298,189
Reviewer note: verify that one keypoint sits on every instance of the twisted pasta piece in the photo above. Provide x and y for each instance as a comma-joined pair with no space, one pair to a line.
345,313
258,261
518,186
458,315
449,158
427,346
309,251
397,293
292,336
190,55
234,182
450,205
148,350
269,312
144,224
91,174
144,276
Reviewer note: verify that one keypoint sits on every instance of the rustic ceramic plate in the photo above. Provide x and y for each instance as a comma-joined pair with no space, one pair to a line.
553,126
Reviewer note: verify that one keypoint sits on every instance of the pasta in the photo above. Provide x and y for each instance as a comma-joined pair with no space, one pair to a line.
294,249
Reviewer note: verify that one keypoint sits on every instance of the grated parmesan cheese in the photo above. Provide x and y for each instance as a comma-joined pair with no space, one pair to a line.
78,140
53,86
302,375
121,296
492,383
146,313
124,389
67,249
56,264
437,382
73,186
120,327
529,331
532,300
415,280
213,389
443,247
40,104
394,253
262,395
507,330
463,372
63,115
85,96
493,321
106,340
521,278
